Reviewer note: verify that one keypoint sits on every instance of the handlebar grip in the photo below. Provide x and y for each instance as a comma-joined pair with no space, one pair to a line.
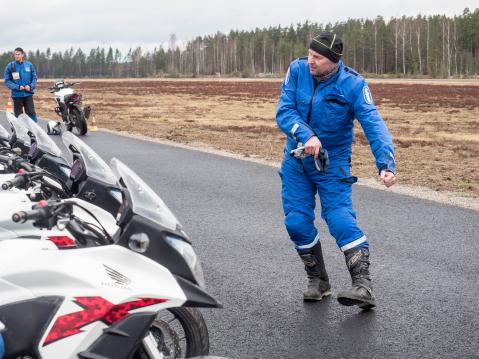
19,216
23,216
16,182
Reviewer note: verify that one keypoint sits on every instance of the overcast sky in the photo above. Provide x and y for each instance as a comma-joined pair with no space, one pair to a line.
59,24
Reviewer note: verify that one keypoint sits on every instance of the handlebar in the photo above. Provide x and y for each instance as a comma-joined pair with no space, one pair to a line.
66,85
17,181
22,180
47,214
33,215
16,162
44,214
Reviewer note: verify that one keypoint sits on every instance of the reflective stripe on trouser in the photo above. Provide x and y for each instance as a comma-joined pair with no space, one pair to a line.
306,247
300,183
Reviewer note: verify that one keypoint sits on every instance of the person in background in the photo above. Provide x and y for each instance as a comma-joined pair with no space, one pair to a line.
21,79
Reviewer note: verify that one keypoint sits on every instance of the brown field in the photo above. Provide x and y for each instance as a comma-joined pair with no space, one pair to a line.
435,125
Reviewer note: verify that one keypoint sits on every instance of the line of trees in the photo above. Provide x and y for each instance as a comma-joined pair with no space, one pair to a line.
434,46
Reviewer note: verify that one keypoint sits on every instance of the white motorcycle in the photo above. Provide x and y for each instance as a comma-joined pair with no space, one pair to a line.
69,106
30,144
132,297
90,181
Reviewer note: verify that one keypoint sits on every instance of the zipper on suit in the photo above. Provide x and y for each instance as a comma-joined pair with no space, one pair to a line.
311,103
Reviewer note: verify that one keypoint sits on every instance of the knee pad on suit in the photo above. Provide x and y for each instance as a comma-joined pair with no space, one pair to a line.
300,227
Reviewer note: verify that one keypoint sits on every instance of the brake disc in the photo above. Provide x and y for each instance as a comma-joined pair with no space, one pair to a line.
165,332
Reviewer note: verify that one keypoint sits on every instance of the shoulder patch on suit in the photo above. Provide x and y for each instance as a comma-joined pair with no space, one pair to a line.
303,58
368,97
286,78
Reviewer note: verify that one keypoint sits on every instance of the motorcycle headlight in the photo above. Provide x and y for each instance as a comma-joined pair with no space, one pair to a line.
187,252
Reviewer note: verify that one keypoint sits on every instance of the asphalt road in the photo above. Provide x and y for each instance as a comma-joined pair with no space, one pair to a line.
423,256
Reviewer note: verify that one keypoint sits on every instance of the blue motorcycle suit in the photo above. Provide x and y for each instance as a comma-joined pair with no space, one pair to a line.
27,74
326,109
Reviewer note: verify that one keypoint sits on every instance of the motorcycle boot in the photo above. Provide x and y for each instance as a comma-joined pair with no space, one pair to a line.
361,291
318,284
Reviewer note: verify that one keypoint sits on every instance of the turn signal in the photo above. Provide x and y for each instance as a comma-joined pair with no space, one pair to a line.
62,241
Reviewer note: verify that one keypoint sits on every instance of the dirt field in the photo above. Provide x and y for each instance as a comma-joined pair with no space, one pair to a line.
435,125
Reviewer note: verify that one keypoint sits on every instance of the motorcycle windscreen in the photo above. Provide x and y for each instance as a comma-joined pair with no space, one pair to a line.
7,234
4,135
44,142
95,167
20,131
145,202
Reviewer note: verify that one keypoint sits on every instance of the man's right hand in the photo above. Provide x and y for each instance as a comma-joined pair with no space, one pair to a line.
21,88
387,178
312,146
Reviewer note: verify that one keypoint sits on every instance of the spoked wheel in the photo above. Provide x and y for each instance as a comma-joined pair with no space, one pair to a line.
175,333
79,125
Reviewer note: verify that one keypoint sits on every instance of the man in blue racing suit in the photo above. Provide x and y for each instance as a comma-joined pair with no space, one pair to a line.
320,99
21,79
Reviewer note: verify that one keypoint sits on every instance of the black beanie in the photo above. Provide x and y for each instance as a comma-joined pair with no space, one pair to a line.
329,45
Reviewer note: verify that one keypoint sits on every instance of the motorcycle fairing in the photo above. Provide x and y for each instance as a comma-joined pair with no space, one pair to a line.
35,269
25,323
160,251
94,309
122,339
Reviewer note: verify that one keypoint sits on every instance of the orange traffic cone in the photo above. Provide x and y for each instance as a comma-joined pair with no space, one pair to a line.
9,106
93,124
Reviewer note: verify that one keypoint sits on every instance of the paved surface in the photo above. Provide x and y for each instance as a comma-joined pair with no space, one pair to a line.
424,263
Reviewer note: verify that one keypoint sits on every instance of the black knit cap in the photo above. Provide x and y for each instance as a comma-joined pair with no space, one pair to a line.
328,44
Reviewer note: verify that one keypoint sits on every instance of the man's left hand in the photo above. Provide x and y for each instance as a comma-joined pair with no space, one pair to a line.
27,88
387,178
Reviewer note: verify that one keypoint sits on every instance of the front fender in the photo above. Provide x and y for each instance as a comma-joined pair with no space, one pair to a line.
196,296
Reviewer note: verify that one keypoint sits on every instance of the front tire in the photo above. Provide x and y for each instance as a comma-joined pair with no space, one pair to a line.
79,122
178,333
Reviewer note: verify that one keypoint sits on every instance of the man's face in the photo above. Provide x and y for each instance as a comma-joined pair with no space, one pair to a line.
319,64
18,56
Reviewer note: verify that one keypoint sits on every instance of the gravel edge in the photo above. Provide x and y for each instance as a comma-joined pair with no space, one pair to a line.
445,197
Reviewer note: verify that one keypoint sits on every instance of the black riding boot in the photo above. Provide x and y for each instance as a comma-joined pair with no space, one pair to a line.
361,292
318,285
